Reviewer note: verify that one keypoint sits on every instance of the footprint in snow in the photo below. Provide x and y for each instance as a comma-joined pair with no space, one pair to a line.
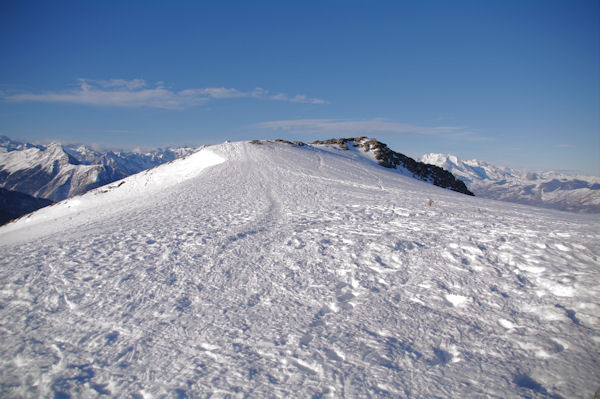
442,357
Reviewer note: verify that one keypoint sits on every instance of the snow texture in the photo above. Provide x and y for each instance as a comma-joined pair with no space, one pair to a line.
272,270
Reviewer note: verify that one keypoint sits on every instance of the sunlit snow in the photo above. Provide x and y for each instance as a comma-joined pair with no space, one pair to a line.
272,270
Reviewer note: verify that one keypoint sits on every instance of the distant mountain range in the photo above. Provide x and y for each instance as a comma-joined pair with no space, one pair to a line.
545,189
55,172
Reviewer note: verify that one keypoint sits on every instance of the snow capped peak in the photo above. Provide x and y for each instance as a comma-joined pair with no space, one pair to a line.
54,154
547,189
54,146
59,171
438,158
453,159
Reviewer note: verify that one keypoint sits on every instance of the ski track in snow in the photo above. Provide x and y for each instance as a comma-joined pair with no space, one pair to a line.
300,272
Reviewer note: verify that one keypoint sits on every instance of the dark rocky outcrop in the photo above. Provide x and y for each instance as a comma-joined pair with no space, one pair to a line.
14,204
393,160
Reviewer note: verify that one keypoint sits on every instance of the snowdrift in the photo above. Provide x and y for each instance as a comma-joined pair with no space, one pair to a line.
273,270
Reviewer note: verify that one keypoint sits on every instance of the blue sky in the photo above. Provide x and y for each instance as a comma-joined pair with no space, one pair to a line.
515,83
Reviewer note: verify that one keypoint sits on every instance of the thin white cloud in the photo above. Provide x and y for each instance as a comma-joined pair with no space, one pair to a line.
367,127
279,97
138,93
123,83
298,98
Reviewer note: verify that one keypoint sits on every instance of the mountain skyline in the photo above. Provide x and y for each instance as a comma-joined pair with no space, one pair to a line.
56,171
514,83
549,189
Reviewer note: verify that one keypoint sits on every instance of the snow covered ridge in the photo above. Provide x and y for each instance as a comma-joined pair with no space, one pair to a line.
394,160
58,171
106,200
546,189
280,271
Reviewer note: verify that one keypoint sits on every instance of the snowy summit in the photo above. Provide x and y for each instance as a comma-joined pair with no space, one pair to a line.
269,269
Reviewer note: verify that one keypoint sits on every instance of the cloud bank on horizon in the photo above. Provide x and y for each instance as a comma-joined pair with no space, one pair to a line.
138,93
377,126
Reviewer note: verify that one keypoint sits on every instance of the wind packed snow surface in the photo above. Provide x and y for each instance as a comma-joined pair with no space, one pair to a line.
278,271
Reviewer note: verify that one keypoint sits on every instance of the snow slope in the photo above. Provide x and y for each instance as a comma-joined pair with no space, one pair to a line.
279,271
547,189
384,156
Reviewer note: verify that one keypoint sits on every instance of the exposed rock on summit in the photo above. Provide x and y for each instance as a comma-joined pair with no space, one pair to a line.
394,160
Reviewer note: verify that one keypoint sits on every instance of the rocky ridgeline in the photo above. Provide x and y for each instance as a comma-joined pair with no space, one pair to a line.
394,160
